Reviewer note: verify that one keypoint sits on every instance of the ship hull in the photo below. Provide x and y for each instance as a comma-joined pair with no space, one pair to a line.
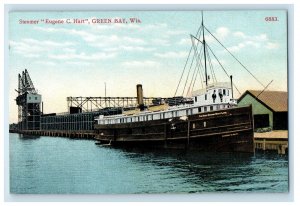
229,130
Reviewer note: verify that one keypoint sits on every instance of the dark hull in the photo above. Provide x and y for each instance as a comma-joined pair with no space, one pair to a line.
224,130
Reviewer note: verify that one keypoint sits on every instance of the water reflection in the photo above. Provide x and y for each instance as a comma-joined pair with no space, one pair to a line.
214,171
43,165
25,137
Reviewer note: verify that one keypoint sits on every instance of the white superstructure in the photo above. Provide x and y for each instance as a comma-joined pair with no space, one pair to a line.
204,101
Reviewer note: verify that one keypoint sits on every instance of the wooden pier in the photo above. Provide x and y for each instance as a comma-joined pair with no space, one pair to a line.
274,140
78,134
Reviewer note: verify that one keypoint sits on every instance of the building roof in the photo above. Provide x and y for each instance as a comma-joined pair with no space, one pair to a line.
274,100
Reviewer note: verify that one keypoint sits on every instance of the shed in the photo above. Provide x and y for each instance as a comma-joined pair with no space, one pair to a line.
270,108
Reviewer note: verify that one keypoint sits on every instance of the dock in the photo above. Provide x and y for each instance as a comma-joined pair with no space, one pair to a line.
274,140
76,134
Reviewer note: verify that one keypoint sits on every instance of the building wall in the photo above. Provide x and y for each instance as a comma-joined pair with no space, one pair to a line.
257,107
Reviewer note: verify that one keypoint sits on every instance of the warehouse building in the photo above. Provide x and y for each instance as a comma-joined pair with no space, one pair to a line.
270,108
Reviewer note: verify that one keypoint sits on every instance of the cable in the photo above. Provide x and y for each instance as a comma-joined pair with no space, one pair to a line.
222,67
235,58
185,65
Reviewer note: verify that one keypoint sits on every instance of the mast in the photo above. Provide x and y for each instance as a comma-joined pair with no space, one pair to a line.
204,50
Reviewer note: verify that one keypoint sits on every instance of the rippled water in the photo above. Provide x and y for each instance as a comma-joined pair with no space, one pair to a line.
54,165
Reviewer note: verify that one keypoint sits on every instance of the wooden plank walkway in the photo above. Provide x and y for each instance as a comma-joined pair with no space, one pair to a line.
274,140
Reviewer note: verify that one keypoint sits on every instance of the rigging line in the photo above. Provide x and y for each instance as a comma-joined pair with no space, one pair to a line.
199,57
195,69
194,81
200,65
235,58
200,75
188,75
183,71
264,89
190,67
199,30
189,88
211,67
223,68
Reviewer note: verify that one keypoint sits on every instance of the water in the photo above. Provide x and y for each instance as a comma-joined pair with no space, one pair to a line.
54,165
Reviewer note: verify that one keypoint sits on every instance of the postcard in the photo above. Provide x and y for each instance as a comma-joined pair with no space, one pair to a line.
148,102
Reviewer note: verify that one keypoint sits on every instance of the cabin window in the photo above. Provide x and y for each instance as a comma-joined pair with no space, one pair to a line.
35,98
205,96
194,111
199,109
211,108
224,92
194,126
205,109
204,124
195,99
227,92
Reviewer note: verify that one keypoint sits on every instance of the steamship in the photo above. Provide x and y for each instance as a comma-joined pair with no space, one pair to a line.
208,120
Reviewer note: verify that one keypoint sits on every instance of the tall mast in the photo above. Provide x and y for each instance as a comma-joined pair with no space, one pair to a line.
204,51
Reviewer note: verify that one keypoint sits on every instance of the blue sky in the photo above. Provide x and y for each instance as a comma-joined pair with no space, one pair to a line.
76,60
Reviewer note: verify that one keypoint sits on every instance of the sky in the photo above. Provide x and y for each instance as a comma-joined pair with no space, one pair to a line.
79,59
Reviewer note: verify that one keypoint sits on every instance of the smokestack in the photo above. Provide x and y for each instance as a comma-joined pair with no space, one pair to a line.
231,86
140,99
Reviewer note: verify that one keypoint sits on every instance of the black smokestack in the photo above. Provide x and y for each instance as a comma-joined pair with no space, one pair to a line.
140,98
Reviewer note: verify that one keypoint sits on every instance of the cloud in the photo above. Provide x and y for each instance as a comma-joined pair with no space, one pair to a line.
271,45
161,42
172,54
129,49
141,64
96,40
236,48
82,56
32,48
222,32
45,63
256,41
239,34
261,37
185,41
